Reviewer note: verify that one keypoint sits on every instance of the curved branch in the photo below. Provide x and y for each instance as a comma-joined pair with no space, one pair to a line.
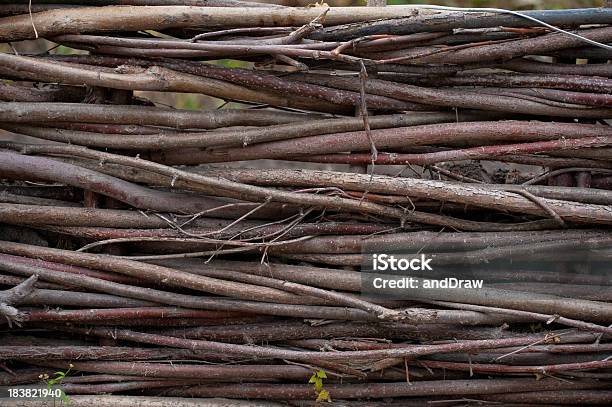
21,167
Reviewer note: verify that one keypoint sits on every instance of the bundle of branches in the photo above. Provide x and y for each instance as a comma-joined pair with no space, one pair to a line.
163,256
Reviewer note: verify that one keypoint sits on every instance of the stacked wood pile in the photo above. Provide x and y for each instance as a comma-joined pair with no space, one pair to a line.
188,257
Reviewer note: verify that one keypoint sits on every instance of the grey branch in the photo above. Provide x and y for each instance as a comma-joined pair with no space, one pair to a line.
14,296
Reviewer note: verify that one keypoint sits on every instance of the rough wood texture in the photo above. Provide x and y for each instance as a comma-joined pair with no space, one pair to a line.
158,256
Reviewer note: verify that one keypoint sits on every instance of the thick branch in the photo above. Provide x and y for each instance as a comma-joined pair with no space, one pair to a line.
131,18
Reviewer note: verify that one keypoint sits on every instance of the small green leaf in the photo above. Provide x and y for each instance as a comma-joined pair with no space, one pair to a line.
313,378
321,374
64,397
324,396
318,384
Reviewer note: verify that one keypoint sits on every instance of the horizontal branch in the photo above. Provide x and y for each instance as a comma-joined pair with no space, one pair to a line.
468,194
544,44
544,80
457,98
449,388
238,137
452,20
42,352
15,93
152,296
15,112
168,277
261,81
453,134
474,153
153,79
531,66
132,18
